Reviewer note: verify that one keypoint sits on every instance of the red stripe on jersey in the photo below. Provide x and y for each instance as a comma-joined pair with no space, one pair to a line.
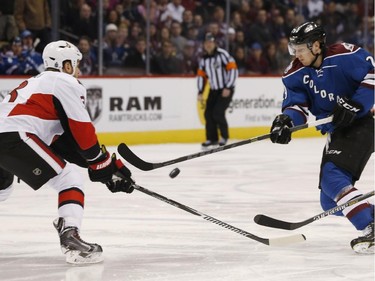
47,150
357,209
72,196
38,105
83,133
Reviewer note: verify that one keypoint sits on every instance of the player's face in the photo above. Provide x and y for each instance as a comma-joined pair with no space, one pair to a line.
302,53
77,72
306,55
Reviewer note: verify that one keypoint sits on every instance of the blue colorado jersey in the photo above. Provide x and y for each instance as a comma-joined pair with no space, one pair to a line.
346,71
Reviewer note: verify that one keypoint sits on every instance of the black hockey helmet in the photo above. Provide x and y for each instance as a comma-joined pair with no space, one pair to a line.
307,33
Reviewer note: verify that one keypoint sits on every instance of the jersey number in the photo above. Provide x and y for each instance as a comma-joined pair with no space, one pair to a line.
13,94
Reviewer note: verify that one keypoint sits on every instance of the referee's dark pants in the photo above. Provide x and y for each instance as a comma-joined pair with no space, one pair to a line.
215,115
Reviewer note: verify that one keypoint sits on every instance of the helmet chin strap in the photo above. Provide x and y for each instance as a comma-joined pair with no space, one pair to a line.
314,60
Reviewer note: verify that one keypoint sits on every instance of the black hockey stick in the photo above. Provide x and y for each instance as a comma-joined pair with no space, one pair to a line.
275,223
281,241
133,159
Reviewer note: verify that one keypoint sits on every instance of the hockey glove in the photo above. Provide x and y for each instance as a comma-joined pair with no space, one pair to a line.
112,172
345,112
122,181
280,130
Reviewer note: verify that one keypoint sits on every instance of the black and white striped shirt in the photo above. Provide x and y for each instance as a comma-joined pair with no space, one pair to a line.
219,68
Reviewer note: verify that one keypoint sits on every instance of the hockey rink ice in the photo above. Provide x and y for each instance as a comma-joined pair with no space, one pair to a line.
146,239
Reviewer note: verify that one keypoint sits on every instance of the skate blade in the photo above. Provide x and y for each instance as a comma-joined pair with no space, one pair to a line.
75,257
205,148
364,248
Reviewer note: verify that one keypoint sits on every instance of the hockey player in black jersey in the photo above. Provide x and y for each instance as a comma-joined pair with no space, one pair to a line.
337,80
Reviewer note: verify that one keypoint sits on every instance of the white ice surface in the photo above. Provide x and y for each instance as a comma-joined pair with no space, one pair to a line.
146,239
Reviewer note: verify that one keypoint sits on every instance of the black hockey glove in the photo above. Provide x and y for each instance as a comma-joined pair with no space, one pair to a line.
102,168
122,181
280,132
112,172
345,112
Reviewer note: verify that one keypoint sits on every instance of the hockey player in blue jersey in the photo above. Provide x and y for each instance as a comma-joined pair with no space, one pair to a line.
337,80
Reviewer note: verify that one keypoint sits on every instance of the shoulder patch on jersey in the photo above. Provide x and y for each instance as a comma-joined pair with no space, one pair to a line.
341,48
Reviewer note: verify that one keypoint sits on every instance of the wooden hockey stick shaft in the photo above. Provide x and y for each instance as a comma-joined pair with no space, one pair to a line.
280,241
275,223
133,159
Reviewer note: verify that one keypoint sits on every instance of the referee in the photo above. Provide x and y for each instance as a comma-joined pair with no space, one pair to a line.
219,69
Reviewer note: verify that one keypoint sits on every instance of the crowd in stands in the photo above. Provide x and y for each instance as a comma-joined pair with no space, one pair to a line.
257,34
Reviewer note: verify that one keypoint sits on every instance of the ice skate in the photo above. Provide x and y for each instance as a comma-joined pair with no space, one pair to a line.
209,145
75,249
223,142
364,244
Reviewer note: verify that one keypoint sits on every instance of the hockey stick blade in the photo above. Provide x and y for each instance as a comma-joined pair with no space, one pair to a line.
281,241
133,159
275,223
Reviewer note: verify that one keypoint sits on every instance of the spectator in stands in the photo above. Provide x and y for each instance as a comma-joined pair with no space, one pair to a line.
270,56
199,25
113,51
113,17
34,16
315,8
27,38
177,39
189,59
282,54
154,14
11,58
31,62
352,20
166,62
290,21
134,33
136,59
214,29
245,13
239,41
333,22
89,63
192,34
279,29
163,36
86,23
261,30
256,63
173,12
8,26
187,22
240,58
236,21
219,17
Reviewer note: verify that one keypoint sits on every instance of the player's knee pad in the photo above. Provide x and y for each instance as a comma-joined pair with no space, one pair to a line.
68,178
334,179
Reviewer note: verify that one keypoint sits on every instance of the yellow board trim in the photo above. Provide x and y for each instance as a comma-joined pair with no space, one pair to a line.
188,136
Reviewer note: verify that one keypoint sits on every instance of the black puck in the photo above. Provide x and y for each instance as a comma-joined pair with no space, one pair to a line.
174,173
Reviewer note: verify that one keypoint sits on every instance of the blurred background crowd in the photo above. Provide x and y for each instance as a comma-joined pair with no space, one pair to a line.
114,39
